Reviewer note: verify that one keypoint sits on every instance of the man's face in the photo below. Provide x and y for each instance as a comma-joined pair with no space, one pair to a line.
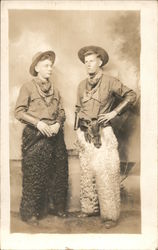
92,63
44,68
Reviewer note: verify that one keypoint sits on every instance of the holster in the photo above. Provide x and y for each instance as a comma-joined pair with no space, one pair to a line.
91,131
76,124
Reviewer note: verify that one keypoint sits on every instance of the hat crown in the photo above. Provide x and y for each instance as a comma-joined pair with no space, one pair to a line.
90,52
36,56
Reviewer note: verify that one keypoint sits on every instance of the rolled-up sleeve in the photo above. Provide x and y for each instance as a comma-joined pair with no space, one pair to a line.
22,105
128,95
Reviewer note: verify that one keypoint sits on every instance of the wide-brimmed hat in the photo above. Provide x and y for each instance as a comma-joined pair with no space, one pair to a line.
93,49
36,58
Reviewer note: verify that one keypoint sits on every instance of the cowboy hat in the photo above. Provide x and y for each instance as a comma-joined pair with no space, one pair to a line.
93,49
37,57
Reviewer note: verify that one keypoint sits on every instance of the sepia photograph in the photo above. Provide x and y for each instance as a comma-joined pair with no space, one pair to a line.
78,114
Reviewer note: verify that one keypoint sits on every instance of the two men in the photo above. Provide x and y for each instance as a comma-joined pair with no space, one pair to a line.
43,148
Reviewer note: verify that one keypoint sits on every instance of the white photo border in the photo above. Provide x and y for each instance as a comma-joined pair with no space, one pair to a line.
148,237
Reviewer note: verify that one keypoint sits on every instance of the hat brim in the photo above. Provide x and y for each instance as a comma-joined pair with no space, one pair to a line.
97,50
34,63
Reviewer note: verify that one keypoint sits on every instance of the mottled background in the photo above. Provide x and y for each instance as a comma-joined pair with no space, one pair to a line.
66,32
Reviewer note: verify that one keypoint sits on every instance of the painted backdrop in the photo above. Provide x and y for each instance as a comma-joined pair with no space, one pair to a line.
66,32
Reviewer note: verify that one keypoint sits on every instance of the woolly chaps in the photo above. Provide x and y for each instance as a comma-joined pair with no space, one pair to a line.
45,172
100,175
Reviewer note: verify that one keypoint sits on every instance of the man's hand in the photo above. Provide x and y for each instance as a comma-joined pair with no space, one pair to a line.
54,128
44,128
106,117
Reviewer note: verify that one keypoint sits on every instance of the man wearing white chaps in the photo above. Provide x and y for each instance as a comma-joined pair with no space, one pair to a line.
97,144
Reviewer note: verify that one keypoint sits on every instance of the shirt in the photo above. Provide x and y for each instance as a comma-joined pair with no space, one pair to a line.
101,98
31,107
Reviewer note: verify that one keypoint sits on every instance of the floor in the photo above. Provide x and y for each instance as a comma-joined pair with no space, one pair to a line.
129,222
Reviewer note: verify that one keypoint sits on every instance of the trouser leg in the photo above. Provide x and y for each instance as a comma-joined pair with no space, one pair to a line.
59,174
106,164
35,179
88,192
108,189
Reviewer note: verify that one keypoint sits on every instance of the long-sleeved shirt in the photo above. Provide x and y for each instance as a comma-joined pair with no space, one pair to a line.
31,107
101,98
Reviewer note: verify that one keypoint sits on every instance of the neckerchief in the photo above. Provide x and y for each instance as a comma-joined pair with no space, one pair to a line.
91,90
45,89
93,80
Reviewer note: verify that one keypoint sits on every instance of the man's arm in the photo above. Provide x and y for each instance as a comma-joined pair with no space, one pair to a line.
61,117
21,114
128,95
22,105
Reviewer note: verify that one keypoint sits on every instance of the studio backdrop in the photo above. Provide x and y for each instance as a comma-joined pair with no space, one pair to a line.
65,32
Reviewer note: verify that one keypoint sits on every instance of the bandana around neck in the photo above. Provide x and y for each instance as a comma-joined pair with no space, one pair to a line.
45,86
93,80
91,90
45,89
